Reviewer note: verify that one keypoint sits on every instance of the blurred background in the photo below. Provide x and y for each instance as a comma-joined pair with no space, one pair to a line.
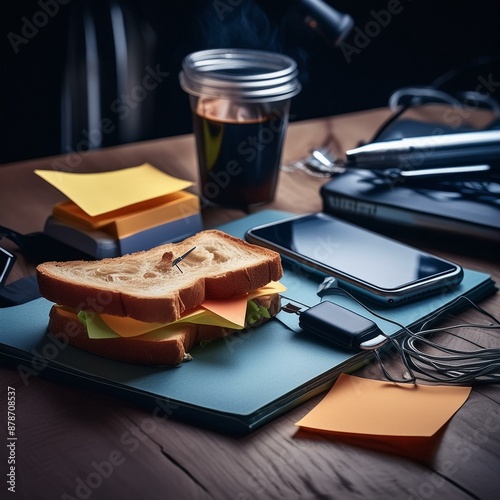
79,74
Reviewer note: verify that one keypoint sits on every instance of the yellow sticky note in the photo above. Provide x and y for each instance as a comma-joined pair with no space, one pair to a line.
98,329
99,193
361,406
270,288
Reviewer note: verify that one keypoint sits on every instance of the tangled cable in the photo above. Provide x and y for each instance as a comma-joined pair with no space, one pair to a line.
447,365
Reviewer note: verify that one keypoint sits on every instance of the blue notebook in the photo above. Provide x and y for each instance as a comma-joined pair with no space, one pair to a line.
234,384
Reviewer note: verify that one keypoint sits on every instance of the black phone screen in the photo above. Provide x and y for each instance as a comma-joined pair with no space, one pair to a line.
353,251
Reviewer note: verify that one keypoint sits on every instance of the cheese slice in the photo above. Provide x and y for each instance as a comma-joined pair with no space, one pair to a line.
102,331
228,313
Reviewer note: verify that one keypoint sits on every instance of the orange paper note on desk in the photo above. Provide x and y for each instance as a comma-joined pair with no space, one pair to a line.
133,218
371,411
99,193
362,406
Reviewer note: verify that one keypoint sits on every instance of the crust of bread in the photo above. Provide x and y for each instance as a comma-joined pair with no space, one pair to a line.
64,325
145,285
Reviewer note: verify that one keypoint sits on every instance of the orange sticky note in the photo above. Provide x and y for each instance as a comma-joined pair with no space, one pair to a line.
125,326
361,406
233,309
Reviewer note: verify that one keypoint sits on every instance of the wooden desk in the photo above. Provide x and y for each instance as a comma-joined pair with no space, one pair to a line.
73,443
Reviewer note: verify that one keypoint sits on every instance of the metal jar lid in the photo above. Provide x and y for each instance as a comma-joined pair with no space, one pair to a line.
240,74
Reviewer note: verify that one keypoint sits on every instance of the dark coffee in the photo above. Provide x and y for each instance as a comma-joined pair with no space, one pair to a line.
239,157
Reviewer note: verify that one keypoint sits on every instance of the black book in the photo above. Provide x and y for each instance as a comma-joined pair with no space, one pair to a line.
469,208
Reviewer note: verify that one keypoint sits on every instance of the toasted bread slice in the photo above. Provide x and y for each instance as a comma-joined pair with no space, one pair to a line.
145,285
144,350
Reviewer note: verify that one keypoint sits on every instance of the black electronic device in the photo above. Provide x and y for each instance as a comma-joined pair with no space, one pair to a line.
342,327
461,210
7,261
366,263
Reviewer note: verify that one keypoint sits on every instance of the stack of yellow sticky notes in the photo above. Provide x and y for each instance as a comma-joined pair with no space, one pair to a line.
113,213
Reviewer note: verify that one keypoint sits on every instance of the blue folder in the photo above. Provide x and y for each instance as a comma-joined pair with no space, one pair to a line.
235,384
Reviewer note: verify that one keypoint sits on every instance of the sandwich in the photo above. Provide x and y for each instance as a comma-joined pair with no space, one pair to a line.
152,307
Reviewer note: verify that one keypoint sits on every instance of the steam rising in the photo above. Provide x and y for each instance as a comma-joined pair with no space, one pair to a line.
239,25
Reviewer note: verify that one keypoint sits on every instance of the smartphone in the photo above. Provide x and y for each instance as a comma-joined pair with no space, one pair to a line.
365,263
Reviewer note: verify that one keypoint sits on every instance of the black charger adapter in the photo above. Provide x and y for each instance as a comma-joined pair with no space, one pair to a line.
342,327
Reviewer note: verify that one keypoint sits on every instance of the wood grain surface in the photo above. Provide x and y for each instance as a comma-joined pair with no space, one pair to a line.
74,443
